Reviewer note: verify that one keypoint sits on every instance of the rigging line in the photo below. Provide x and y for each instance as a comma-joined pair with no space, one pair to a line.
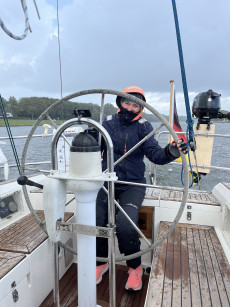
35,4
189,121
198,179
183,75
59,51
10,135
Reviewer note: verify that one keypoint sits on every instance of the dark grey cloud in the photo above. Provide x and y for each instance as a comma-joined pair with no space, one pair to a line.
113,44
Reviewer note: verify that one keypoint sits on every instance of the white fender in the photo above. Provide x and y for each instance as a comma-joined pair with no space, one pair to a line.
54,200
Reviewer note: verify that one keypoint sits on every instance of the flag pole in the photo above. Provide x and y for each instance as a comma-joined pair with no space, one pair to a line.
171,106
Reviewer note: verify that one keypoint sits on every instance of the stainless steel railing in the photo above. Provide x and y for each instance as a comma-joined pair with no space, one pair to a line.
153,169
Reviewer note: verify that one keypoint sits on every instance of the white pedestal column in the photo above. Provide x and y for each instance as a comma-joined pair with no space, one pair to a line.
86,249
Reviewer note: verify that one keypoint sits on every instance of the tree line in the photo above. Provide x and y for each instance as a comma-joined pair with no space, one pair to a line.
32,107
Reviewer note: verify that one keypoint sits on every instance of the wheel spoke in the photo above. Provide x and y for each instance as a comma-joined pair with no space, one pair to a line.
68,202
138,144
129,219
36,170
55,126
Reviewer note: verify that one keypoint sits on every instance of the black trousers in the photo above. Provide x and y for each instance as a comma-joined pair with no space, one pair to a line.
130,199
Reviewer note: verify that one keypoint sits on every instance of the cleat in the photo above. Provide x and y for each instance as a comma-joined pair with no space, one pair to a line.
100,270
134,282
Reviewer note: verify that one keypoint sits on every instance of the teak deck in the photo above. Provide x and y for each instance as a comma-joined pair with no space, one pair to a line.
124,298
190,269
8,261
19,239
174,194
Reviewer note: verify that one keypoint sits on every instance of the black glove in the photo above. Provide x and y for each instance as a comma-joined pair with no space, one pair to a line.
175,152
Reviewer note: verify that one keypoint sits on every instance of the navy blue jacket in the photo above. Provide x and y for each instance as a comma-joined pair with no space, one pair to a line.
124,137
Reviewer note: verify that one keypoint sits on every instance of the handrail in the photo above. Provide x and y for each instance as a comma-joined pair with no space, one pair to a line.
178,163
196,133
31,163
24,136
206,166
157,138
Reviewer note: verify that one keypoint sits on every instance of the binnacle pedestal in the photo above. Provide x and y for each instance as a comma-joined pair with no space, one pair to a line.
85,163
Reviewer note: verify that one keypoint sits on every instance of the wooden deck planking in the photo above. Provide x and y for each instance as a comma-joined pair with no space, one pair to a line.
156,280
120,285
144,291
8,261
69,295
213,290
168,273
25,235
217,273
124,298
199,269
222,263
184,269
193,270
172,194
19,239
176,272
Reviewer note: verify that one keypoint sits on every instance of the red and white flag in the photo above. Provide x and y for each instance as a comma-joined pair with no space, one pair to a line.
173,116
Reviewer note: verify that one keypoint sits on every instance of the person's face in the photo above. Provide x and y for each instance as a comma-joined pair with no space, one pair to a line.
131,106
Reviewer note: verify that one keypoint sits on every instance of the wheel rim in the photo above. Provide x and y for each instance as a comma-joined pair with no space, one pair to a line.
159,116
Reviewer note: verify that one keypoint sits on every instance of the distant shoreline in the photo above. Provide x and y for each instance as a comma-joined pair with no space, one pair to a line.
25,122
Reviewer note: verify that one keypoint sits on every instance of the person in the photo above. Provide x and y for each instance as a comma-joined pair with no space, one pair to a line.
126,129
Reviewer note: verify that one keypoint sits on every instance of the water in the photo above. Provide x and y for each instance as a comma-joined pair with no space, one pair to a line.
170,175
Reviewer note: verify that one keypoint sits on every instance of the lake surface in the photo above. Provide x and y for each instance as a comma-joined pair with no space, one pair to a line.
170,175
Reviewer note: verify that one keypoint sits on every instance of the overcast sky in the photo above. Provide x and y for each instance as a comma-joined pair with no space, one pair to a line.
115,44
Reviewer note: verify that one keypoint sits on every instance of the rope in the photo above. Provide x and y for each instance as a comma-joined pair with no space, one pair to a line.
189,120
190,165
10,135
59,51
27,25
190,133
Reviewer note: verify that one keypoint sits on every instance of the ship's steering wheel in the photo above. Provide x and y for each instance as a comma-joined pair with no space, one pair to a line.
165,123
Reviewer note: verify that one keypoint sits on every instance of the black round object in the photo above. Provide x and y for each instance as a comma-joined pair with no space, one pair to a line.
206,106
84,142
22,180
